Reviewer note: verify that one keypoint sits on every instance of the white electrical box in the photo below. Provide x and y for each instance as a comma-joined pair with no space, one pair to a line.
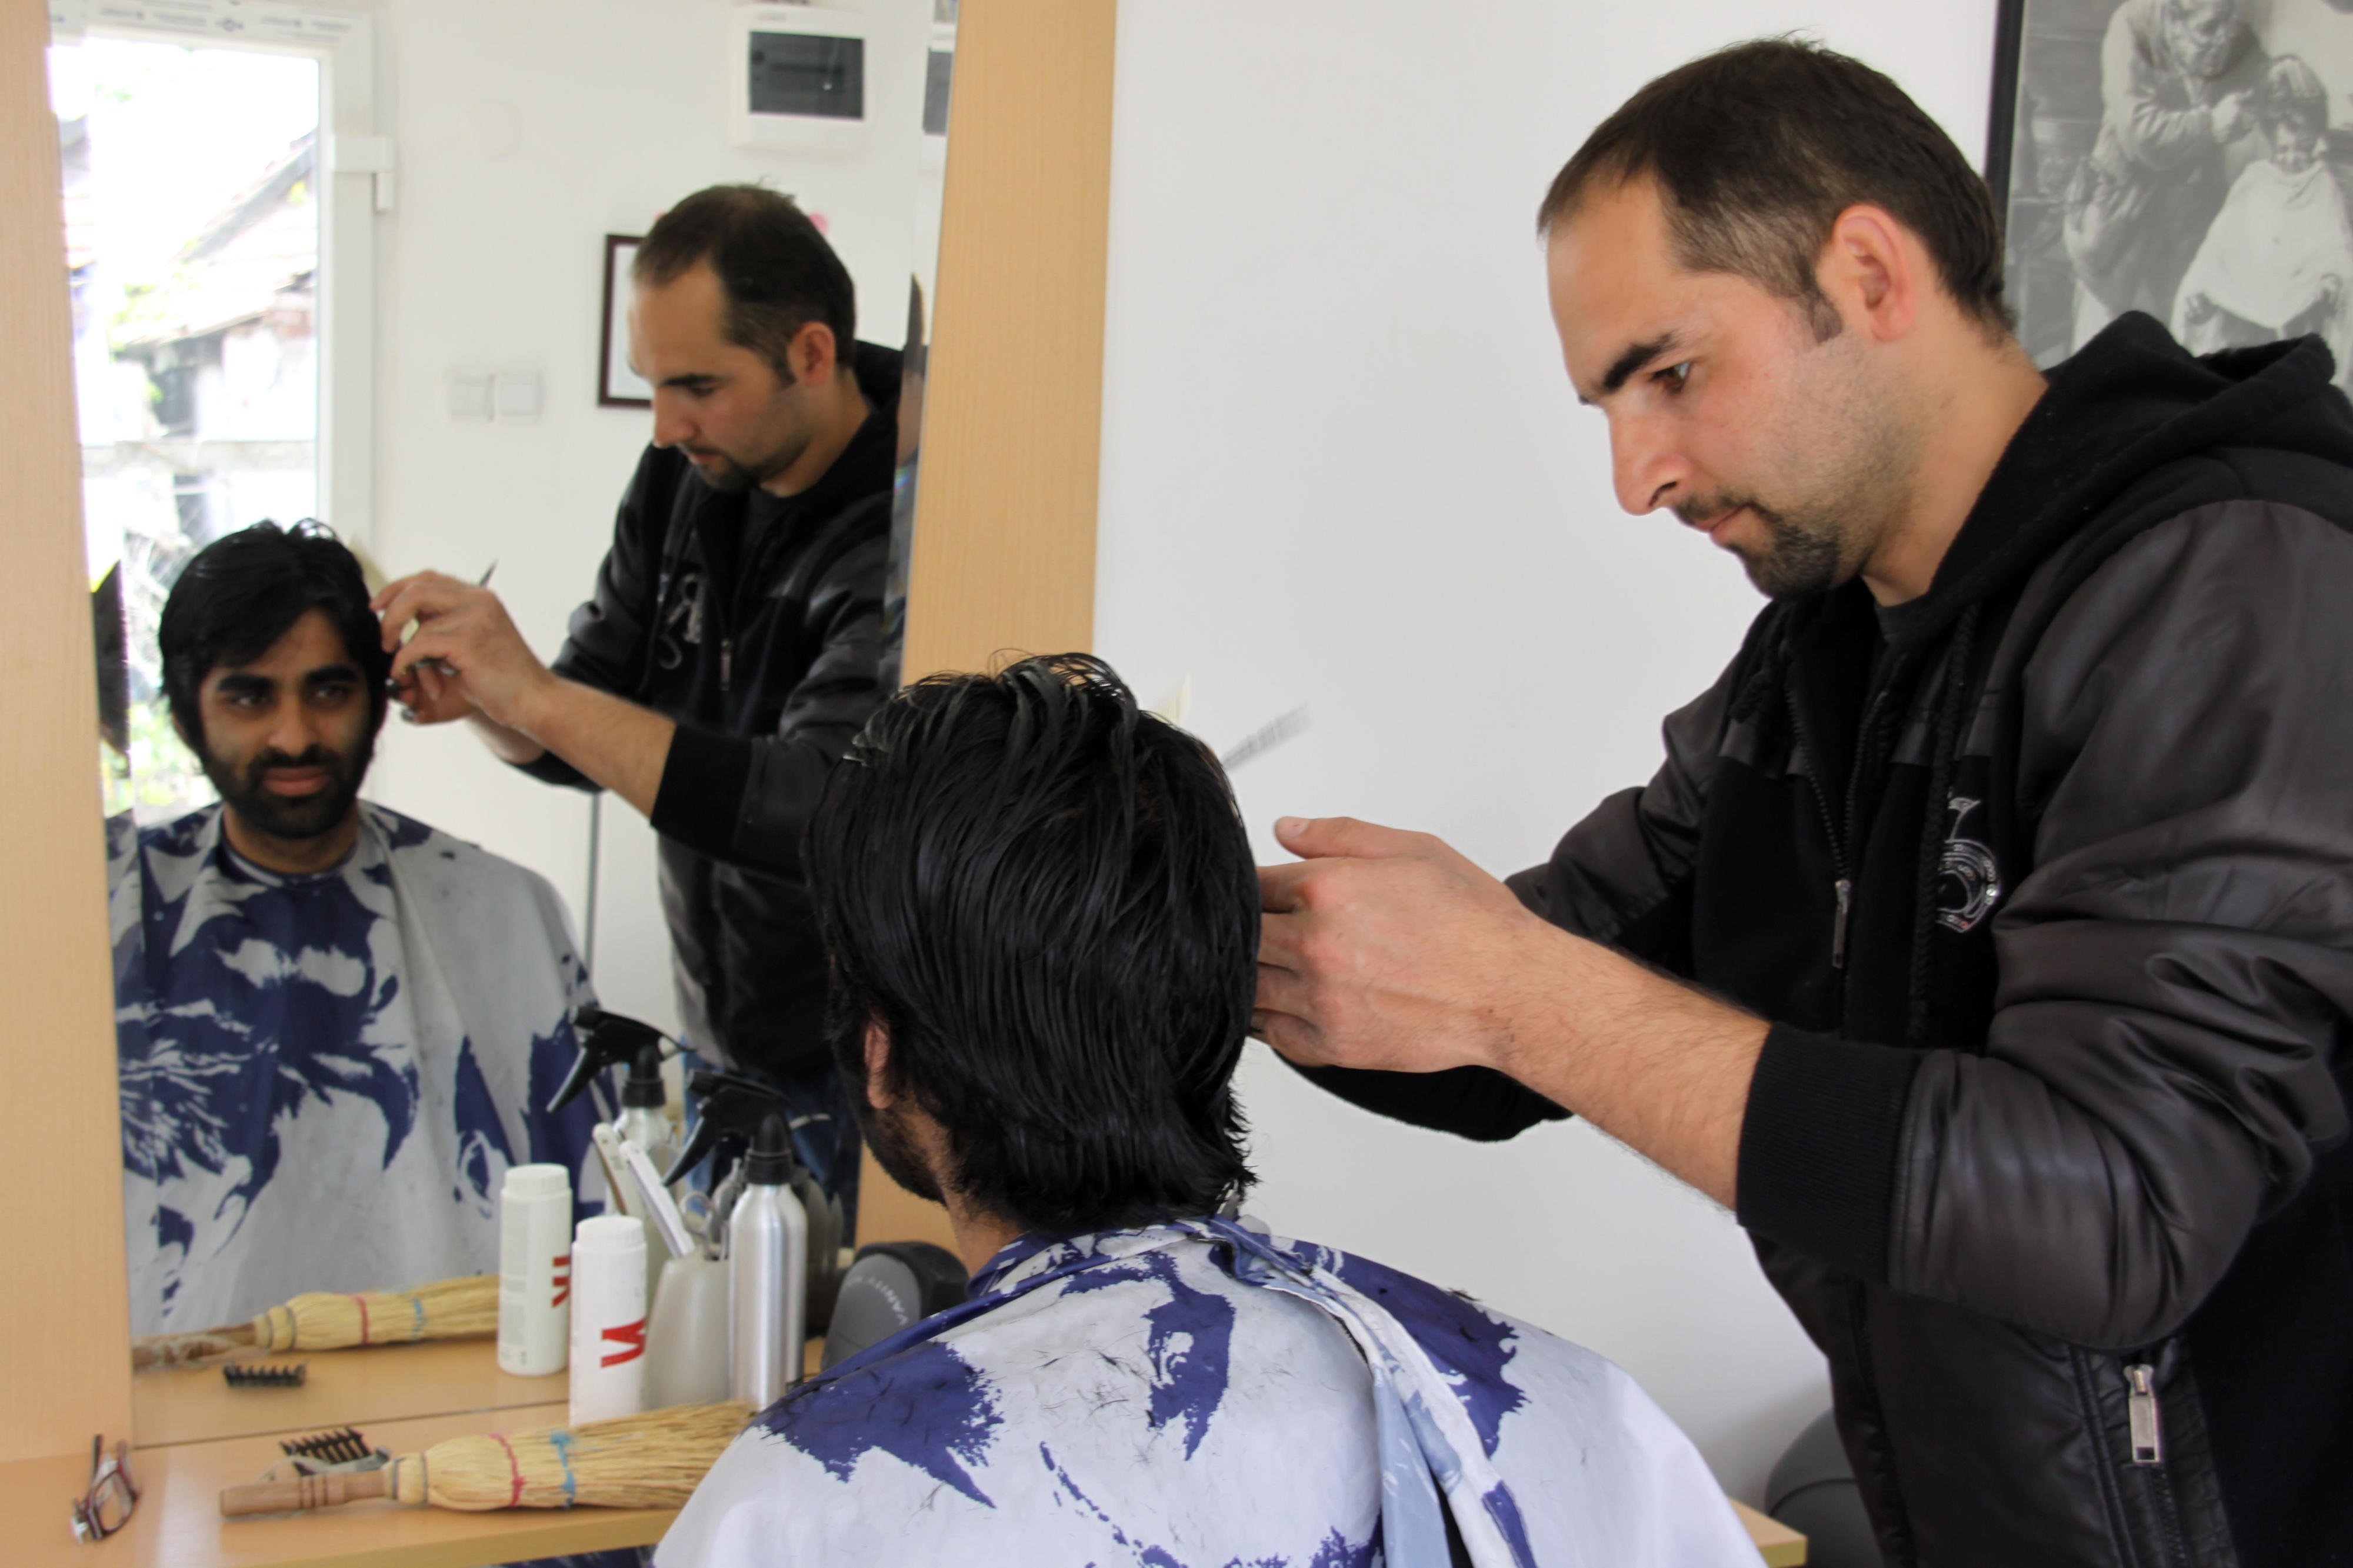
797,77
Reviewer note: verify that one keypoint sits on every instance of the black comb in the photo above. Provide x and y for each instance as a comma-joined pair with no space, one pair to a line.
247,1375
340,1448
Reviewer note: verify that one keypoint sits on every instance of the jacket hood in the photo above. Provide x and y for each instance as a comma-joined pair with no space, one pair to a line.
2130,402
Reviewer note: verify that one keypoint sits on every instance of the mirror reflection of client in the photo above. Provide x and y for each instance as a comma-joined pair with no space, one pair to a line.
1042,917
335,1025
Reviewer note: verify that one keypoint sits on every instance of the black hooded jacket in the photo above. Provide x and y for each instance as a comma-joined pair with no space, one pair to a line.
770,661
2048,894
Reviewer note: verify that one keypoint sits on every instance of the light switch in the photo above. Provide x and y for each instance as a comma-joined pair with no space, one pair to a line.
469,395
517,394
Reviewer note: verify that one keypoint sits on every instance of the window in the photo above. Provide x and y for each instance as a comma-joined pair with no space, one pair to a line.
217,264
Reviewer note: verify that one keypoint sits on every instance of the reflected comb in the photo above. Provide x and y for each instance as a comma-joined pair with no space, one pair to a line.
245,1374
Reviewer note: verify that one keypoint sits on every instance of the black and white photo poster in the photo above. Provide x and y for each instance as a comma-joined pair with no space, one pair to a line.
2191,159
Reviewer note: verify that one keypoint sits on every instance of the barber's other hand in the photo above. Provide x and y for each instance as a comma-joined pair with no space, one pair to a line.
466,655
1385,949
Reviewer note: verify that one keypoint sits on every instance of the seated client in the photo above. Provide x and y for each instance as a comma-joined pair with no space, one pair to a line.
1043,924
336,1027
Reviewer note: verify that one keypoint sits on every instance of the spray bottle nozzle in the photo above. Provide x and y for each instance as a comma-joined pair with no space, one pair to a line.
739,1108
607,1041
644,1086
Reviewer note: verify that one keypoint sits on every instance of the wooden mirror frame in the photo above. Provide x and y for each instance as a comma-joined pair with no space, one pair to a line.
1003,560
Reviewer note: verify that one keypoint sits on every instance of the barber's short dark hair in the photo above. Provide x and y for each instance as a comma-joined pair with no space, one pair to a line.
242,592
1757,148
1047,898
777,269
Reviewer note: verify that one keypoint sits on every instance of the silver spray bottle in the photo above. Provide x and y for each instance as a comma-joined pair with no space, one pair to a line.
767,1263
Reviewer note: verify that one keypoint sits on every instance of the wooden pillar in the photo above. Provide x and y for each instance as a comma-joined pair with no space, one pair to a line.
65,1318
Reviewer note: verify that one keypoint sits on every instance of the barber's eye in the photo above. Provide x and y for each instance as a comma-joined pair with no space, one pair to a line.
1673,377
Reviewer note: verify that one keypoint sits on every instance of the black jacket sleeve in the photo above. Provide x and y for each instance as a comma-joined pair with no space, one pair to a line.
1621,877
746,801
2176,972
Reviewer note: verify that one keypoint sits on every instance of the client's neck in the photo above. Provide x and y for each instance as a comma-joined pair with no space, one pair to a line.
979,1234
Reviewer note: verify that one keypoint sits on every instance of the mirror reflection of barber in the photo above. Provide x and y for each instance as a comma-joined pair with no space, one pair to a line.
733,641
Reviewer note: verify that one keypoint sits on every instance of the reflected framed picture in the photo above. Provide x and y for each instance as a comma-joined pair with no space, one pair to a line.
2191,159
618,386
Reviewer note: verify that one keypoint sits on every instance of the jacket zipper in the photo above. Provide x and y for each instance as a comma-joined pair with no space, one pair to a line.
1843,883
727,664
2145,1430
2141,1414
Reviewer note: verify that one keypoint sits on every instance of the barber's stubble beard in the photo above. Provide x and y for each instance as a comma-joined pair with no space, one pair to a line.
293,818
1849,455
731,477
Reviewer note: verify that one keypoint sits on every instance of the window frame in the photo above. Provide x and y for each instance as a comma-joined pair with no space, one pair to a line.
355,184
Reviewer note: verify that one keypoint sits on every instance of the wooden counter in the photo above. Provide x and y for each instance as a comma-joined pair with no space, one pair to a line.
200,1435
178,1522
177,1405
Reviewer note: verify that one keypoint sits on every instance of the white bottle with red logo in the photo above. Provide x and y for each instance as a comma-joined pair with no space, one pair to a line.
534,1269
608,1318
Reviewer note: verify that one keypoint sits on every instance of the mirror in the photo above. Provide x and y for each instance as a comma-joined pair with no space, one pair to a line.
228,324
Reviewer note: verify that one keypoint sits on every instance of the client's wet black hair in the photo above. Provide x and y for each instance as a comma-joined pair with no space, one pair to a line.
1046,898
243,590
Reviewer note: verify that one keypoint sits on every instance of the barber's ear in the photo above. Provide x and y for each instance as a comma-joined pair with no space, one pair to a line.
1873,269
814,353
877,1067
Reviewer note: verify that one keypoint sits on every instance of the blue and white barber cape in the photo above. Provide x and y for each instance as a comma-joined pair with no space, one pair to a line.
1202,1394
325,1077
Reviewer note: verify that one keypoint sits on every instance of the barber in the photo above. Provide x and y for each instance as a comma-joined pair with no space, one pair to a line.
1985,940
733,644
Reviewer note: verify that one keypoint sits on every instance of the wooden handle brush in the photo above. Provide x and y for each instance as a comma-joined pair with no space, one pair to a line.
327,1321
653,1461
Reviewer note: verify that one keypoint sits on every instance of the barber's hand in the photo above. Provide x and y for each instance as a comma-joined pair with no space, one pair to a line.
466,655
1384,949
2231,117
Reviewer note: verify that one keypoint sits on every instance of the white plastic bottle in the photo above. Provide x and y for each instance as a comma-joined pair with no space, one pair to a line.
534,1269
608,1318
768,1269
686,1334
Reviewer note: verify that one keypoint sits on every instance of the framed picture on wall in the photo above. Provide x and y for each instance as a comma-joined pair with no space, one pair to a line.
2191,159
618,386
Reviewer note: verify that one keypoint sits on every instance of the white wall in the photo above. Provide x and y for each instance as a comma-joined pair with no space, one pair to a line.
525,134
1342,467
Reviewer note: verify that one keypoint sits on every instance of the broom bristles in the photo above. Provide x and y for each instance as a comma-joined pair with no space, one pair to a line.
325,1320
652,1460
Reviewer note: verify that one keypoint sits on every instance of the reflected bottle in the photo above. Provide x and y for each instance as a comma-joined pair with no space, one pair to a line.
534,1269
767,1263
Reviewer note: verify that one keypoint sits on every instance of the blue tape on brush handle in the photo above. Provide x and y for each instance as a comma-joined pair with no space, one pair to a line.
561,1441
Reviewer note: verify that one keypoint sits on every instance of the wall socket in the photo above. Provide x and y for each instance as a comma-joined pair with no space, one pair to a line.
508,396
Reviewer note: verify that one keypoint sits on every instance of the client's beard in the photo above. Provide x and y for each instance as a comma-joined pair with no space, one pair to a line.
894,1146
298,816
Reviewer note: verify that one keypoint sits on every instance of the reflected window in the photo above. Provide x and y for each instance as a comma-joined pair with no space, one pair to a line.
190,183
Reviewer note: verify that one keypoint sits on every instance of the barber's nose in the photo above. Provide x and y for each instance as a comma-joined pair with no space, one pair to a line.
672,425
1643,464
